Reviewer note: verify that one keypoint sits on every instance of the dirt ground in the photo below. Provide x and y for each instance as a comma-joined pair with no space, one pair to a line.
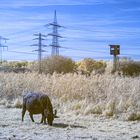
66,127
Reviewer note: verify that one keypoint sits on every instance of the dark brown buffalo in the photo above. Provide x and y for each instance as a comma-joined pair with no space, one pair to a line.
38,103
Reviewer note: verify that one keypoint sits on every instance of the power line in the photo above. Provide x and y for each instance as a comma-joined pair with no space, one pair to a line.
24,31
94,57
22,52
136,55
83,50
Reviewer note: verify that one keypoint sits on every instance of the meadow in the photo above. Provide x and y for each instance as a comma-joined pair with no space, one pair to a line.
98,106
105,95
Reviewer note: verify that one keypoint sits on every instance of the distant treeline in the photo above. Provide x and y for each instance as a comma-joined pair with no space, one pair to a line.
61,64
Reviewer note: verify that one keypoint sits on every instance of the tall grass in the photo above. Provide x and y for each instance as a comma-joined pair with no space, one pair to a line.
107,95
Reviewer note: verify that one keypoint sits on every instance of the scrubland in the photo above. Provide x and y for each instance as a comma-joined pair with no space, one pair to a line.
104,95
96,107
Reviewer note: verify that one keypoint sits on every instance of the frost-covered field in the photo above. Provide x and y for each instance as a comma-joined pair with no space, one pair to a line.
99,107
107,95
67,127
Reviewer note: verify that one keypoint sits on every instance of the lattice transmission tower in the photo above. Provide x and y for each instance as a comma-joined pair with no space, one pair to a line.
40,38
2,46
55,36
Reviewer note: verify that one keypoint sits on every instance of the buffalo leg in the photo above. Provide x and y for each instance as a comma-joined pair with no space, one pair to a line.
23,112
31,116
42,118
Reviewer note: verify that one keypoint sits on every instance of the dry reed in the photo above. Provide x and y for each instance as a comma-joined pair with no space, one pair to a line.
106,94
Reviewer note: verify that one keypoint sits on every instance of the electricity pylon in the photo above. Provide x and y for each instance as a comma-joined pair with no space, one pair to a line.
55,36
2,46
39,50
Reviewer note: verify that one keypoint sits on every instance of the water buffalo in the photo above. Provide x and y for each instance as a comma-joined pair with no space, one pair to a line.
38,103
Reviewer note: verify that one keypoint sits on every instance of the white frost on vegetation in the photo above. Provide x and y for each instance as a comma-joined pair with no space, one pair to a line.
66,127
105,95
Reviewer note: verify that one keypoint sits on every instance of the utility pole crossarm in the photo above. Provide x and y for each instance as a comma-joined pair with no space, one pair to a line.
55,46
54,24
3,38
39,50
4,46
39,38
44,45
34,45
56,35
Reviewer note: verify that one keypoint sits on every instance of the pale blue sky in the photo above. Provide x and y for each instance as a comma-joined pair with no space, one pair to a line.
90,26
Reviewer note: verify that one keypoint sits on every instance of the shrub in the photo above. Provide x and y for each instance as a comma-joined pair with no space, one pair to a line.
58,64
15,64
89,65
33,65
130,68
